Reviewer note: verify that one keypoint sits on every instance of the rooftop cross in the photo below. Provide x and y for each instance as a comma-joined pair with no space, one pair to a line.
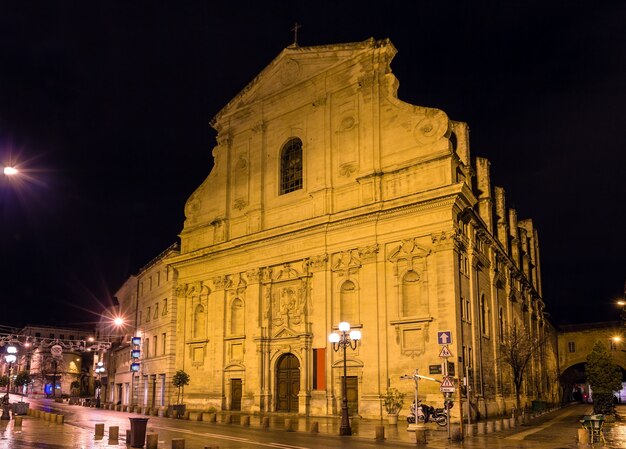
295,29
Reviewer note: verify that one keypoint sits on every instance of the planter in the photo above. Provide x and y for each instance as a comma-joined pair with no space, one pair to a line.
392,418
20,408
176,411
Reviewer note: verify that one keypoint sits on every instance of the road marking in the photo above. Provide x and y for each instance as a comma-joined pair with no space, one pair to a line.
287,446
225,437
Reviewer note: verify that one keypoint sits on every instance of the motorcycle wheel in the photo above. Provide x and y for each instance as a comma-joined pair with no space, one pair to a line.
442,420
410,419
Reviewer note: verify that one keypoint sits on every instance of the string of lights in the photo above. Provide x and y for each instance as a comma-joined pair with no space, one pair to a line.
28,341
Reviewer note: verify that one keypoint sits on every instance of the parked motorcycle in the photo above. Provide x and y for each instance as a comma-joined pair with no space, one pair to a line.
426,413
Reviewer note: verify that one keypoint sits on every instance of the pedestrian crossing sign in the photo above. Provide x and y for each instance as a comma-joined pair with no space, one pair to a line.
445,352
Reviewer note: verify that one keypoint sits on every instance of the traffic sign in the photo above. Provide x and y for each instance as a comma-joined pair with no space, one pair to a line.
445,352
447,386
444,337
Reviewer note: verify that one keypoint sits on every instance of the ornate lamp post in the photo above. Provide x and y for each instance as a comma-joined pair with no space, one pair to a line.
99,371
341,340
10,358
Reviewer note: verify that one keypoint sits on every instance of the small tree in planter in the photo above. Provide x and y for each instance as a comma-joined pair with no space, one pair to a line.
179,380
604,376
4,381
22,379
393,401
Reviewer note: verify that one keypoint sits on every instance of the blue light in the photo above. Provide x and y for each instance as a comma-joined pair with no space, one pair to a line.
134,367
135,353
136,340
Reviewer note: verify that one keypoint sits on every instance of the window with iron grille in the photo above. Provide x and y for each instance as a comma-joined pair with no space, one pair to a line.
291,166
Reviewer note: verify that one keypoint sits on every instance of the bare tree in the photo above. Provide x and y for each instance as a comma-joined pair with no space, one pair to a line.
517,350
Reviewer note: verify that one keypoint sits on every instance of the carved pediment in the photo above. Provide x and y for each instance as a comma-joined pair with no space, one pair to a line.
295,66
408,249
285,332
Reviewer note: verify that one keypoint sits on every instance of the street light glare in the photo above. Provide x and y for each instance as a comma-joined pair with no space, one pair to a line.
10,171
118,321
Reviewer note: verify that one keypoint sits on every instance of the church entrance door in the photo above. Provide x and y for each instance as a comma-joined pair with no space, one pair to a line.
287,384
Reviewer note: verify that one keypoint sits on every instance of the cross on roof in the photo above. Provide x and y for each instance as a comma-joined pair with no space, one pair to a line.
295,29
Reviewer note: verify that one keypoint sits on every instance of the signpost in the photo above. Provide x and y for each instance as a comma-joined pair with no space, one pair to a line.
444,338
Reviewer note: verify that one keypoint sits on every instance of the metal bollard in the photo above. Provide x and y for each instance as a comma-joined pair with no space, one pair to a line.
178,443
17,421
288,425
114,433
266,422
152,441
245,421
380,433
420,435
212,446
60,419
127,436
315,427
99,430
228,419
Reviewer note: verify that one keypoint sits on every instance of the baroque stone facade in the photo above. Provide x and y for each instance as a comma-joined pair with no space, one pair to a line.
332,200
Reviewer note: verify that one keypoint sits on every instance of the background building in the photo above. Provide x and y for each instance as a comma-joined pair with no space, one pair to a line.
147,303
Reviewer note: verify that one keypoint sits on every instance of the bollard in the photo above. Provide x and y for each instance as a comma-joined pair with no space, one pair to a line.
455,433
212,446
288,425
583,436
420,435
315,427
152,441
265,423
178,443
380,433
491,426
481,428
60,419
17,421
114,433
127,436
497,425
245,421
99,429
213,417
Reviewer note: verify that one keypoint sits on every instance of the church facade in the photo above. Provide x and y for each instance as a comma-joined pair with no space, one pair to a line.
332,200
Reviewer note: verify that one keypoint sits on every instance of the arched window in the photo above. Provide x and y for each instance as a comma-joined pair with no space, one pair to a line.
410,294
347,302
199,321
236,317
291,166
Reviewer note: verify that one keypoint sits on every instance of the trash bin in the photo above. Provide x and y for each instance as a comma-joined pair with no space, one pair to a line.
539,406
138,431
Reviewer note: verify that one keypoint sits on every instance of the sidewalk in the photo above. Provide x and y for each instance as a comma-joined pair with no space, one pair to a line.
36,433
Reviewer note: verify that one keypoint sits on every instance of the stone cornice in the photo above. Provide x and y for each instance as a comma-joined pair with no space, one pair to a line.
448,196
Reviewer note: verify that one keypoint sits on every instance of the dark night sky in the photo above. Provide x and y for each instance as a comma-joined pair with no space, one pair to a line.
105,106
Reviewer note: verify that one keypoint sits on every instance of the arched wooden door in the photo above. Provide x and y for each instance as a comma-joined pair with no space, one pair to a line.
287,383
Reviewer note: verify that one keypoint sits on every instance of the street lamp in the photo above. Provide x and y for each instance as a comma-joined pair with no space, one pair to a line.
10,171
99,371
342,339
10,358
